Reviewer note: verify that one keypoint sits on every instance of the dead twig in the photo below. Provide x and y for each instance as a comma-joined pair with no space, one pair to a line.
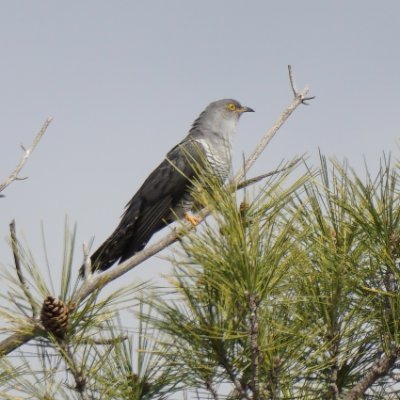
27,152
299,98
24,286
258,178
294,90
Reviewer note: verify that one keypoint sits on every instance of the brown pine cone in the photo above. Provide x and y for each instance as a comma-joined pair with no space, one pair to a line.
54,316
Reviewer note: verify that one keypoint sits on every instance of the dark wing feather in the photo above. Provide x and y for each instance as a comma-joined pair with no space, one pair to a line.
152,206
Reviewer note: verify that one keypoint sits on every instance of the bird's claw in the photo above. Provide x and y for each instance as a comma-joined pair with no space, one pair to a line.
192,219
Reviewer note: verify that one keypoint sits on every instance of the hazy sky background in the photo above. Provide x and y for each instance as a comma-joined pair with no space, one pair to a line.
124,80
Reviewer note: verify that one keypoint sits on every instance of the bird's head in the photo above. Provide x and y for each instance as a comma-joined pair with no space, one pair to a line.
228,108
220,118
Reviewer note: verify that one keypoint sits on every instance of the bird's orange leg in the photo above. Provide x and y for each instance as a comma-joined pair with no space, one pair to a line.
192,219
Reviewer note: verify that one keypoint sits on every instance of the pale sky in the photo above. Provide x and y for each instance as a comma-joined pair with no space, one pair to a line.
124,80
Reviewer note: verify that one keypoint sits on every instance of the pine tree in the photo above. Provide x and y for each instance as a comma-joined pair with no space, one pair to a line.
288,290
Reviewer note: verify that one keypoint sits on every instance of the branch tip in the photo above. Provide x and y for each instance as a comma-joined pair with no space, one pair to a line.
27,152
300,96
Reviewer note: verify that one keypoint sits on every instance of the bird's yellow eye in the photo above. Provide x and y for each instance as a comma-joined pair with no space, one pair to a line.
231,106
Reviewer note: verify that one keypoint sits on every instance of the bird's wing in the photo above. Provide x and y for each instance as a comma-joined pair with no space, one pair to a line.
152,206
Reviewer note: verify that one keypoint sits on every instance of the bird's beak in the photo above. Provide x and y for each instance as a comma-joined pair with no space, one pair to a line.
245,109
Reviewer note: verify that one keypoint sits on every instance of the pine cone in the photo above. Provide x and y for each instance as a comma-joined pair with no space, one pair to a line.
54,316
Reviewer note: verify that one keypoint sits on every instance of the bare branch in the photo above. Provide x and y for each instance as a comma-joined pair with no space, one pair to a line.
299,98
24,286
380,368
14,175
100,280
258,178
14,341
294,90
292,83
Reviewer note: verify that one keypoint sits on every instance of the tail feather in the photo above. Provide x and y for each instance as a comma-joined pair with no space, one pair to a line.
105,256
118,247
110,251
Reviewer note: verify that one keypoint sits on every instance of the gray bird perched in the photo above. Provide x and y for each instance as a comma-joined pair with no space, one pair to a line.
165,194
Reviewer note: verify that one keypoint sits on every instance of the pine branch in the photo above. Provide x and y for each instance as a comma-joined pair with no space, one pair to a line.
27,152
77,372
380,368
254,348
14,341
213,392
333,373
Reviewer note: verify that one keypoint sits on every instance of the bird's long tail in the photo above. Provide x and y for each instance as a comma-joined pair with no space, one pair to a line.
118,247
108,253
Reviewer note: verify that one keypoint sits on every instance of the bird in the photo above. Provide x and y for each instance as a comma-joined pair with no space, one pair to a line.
165,195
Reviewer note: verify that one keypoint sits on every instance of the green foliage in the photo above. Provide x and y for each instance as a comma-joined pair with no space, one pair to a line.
287,291
295,298
58,368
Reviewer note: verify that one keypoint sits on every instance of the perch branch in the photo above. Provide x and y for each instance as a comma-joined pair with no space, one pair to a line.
27,152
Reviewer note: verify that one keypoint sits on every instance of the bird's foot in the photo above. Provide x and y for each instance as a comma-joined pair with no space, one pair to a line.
192,219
